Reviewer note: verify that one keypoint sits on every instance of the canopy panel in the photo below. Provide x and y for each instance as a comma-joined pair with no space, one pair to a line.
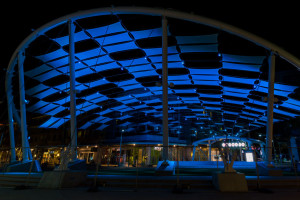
213,84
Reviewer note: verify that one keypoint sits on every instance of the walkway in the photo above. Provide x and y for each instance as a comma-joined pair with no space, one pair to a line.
145,194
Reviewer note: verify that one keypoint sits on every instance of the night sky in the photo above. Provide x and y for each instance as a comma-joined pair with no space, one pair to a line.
278,23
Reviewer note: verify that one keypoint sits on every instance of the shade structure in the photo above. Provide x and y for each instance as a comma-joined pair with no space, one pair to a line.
217,79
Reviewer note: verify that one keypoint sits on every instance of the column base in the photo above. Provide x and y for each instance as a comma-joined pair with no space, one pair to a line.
268,169
230,182
33,165
62,179
77,165
165,168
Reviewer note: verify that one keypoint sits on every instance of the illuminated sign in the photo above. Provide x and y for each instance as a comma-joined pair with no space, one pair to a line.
249,157
158,148
234,145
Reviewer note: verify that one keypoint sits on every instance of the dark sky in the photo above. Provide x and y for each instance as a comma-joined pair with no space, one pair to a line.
276,22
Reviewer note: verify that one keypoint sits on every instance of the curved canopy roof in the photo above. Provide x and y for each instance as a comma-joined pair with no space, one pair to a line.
217,81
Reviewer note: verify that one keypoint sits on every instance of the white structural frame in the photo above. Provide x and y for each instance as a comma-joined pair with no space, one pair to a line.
73,120
165,88
269,133
274,49
22,106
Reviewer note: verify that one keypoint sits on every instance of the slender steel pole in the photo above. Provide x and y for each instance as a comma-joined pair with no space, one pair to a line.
194,152
165,87
11,134
269,134
10,118
25,146
120,147
209,150
72,88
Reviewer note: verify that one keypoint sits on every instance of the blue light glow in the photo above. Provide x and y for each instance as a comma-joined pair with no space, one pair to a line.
133,82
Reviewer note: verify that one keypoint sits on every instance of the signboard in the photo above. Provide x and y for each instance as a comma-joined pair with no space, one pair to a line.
158,148
249,157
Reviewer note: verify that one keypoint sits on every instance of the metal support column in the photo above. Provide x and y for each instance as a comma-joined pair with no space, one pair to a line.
121,138
294,149
209,150
269,134
72,89
10,118
25,144
165,87
194,152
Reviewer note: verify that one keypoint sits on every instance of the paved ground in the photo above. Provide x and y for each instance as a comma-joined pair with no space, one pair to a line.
141,194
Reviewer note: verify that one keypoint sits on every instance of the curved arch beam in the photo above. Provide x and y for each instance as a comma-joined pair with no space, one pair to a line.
161,12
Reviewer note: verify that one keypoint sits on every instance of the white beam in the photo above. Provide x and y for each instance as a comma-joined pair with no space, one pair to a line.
10,117
72,88
165,87
25,144
269,134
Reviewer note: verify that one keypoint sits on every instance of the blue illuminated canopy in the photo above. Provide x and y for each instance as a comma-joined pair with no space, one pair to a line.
213,84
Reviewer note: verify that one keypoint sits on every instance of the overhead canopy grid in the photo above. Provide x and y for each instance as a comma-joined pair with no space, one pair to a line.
217,81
